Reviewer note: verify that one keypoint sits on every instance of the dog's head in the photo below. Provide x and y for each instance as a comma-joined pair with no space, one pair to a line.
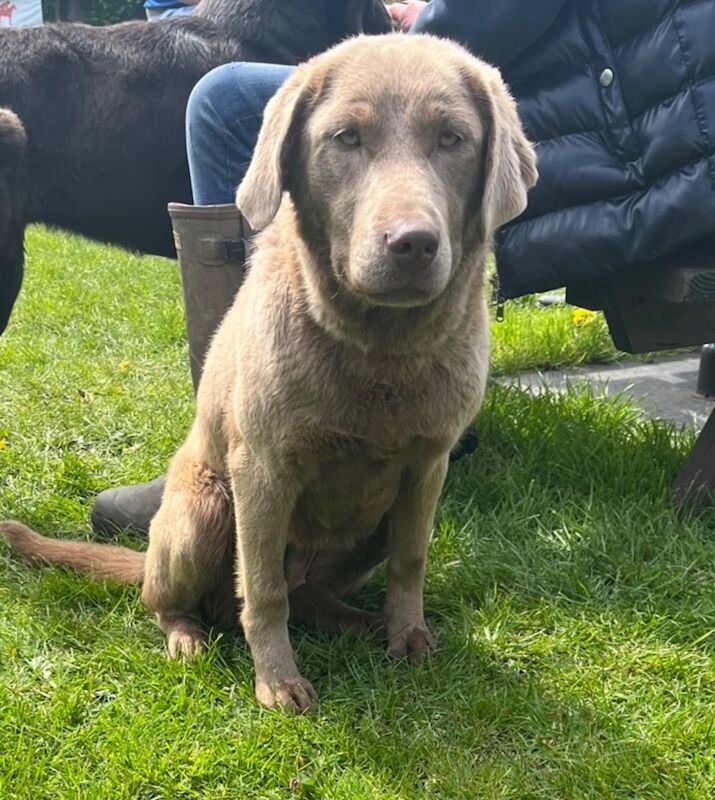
404,153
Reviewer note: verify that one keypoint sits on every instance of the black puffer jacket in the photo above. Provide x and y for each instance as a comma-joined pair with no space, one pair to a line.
619,96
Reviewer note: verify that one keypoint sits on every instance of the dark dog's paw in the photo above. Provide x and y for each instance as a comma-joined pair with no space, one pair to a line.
467,444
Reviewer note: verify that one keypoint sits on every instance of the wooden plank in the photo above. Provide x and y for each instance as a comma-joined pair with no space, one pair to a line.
662,305
685,285
642,323
648,325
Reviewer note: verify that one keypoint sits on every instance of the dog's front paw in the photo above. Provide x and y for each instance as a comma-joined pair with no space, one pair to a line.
290,694
413,641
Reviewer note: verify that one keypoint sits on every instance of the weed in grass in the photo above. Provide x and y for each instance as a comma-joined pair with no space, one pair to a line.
557,336
532,337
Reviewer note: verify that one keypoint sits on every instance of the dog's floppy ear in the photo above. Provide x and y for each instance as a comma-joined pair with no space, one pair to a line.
510,160
259,195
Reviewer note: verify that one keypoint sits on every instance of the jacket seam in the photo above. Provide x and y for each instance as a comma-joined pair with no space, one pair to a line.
691,85
645,31
551,68
558,136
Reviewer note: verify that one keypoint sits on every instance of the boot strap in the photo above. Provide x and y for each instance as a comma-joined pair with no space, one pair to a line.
232,249
212,249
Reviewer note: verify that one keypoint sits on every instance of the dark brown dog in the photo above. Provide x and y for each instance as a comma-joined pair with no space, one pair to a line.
94,142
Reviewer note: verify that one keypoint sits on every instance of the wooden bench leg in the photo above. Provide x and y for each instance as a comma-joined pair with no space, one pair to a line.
694,486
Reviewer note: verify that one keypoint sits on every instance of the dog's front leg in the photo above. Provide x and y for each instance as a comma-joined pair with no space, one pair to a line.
411,521
264,503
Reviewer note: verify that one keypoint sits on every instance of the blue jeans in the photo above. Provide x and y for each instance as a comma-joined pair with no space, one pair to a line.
153,14
223,117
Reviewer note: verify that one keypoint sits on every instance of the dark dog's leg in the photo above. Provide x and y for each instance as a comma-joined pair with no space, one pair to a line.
13,202
11,262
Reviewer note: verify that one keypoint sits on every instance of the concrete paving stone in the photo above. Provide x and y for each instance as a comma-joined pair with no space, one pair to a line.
664,389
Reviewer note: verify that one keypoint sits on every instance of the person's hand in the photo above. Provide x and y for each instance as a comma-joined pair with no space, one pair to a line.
404,14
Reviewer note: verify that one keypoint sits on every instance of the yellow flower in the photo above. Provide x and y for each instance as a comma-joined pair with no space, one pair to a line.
123,365
3,444
582,315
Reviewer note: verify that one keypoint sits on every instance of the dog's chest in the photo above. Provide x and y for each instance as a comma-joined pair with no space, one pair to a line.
361,436
346,498
391,411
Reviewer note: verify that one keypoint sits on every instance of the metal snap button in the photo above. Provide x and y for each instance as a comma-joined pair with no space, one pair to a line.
606,78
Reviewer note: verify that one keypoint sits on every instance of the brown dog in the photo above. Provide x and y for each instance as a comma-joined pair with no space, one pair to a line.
354,355
92,118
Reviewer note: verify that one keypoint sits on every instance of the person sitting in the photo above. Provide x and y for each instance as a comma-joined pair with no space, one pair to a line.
618,98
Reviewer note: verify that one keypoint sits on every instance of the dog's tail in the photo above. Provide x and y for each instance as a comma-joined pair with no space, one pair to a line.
13,139
103,561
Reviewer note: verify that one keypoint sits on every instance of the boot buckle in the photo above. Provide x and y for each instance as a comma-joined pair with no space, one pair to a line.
222,250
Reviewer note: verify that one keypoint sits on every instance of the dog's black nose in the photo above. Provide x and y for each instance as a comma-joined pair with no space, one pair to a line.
412,245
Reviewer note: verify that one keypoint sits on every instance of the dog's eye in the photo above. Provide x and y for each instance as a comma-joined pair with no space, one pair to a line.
449,139
349,137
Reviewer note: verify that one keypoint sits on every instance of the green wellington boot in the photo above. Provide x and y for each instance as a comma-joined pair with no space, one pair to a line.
211,243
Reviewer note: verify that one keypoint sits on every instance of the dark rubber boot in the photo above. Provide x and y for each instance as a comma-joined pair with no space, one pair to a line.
211,243
129,508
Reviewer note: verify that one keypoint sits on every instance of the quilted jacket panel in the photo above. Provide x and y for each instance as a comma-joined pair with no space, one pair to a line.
619,98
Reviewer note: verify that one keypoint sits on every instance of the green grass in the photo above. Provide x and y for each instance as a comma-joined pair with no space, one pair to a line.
532,337
575,611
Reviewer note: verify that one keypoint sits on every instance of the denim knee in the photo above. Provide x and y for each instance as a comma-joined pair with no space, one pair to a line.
232,93
223,116
208,97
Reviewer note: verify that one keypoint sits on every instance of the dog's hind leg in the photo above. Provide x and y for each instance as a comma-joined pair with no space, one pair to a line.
11,268
318,606
190,550
333,575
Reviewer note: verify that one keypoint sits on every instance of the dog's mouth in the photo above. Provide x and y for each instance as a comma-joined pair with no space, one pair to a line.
404,297
373,281
389,288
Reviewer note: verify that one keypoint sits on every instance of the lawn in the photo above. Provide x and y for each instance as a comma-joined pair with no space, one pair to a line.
575,611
